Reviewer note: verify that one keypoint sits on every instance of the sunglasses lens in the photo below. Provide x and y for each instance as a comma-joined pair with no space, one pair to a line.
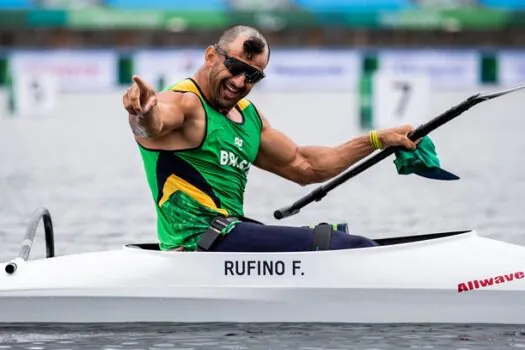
236,67
254,77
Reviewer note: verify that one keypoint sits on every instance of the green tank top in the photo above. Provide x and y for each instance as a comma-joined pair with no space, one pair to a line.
190,187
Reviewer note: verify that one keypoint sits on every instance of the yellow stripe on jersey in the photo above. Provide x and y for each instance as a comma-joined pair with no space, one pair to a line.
175,183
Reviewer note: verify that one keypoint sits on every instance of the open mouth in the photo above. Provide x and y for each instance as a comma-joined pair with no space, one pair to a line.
230,91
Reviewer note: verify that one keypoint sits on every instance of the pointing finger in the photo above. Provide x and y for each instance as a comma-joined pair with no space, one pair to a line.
140,83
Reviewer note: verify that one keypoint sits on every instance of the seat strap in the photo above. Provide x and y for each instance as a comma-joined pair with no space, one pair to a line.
217,228
322,237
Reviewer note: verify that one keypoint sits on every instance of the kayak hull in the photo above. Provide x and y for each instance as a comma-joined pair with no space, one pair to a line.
460,278
363,306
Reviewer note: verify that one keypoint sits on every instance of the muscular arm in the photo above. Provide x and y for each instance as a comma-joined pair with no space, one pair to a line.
307,164
168,115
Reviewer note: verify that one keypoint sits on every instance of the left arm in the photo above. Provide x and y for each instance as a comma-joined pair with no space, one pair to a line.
305,165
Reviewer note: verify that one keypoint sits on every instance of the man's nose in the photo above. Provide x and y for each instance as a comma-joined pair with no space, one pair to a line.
238,80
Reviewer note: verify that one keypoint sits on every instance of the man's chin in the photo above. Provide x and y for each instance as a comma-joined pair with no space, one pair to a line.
227,103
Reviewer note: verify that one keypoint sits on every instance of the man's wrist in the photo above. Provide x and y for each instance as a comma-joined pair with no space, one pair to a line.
375,141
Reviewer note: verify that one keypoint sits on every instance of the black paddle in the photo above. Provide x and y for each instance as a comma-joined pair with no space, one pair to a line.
424,129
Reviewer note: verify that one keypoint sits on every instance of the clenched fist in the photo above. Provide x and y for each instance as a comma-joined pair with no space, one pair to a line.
140,98
397,137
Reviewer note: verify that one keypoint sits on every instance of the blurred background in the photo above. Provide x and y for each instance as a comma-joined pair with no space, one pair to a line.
87,45
124,25
165,23
99,44
338,68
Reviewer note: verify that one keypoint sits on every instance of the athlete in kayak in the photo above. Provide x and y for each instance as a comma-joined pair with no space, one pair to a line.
199,137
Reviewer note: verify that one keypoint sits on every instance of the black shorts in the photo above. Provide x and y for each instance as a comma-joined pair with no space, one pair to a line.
251,237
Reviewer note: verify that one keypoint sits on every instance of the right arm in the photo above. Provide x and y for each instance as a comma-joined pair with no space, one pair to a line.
153,115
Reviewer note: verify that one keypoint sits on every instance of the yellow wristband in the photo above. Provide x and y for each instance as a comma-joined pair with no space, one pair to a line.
374,140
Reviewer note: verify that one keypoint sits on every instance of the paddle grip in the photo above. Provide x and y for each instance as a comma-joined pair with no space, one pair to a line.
315,195
285,212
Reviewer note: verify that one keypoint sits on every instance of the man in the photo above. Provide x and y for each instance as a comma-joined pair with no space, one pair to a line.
198,139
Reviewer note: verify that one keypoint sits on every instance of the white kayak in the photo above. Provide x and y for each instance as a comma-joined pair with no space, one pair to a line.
453,277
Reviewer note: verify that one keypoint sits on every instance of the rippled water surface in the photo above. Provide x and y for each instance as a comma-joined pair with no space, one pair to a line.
261,336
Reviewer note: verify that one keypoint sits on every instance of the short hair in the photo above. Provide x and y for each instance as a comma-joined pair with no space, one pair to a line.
254,45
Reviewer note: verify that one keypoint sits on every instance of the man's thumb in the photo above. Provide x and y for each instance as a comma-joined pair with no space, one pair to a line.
409,144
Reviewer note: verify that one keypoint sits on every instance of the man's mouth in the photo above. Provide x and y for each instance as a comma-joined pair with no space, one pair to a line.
230,91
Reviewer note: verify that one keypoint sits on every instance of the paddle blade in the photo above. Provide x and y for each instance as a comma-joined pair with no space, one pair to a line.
492,95
437,174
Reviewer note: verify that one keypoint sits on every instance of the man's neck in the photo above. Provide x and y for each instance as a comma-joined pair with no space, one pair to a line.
202,82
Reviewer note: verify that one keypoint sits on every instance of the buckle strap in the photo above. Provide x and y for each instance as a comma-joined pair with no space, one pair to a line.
322,237
219,226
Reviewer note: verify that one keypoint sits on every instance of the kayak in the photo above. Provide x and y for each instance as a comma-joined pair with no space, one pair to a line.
449,277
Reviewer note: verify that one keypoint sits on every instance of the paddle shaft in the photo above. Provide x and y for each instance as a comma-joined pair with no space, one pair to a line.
423,130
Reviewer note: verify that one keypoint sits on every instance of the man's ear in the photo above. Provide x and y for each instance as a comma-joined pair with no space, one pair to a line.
209,56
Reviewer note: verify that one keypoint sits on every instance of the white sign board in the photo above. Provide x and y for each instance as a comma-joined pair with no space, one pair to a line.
511,67
446,69
312,70
35,95
399,99
74,70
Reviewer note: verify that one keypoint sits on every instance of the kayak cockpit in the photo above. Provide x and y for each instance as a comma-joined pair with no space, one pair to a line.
418,238
380,241
42,214
144,246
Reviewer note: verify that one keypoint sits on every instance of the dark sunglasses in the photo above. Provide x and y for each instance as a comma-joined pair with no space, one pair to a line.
236,67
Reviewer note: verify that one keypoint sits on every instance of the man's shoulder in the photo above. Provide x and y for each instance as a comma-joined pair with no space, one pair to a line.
184,94
243,104
181,98
183,85
186,85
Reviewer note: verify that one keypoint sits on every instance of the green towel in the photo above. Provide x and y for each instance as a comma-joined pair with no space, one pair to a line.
423,161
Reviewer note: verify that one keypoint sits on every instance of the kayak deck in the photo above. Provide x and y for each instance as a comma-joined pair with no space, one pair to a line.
380,241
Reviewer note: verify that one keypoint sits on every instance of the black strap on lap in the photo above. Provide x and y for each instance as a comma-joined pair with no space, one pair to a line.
213,232
322,237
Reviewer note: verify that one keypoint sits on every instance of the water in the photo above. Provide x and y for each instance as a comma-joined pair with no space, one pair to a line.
261,336
82,164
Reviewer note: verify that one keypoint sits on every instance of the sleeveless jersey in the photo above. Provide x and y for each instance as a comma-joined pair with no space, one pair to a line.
190,187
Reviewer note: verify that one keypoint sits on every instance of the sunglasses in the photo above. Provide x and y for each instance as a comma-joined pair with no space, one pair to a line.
236,67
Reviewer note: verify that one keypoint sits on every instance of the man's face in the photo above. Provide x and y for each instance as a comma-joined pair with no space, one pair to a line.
232,75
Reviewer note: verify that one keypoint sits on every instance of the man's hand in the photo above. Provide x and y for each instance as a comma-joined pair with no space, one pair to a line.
397,137
140,98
